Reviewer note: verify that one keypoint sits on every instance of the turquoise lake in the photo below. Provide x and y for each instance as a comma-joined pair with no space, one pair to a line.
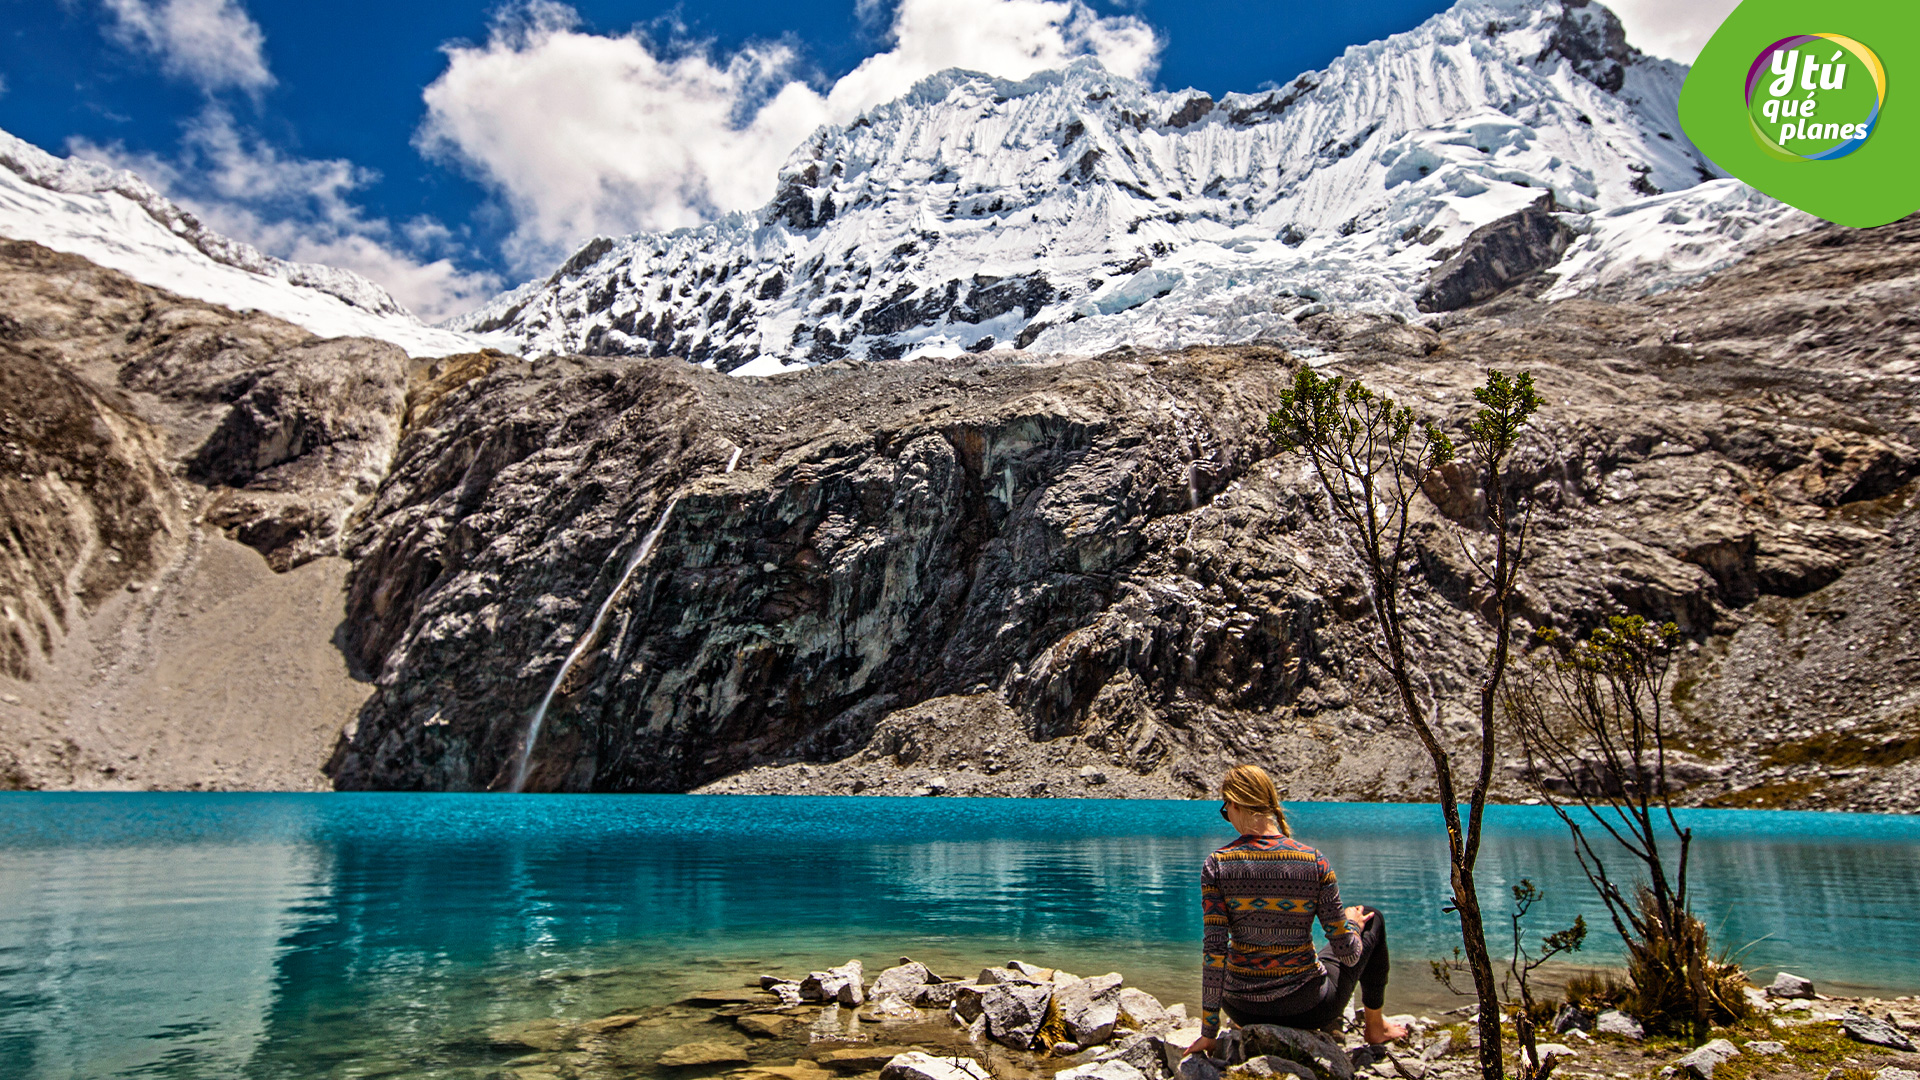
381,935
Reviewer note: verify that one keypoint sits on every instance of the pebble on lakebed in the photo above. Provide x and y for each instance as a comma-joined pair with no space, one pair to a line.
1023,1021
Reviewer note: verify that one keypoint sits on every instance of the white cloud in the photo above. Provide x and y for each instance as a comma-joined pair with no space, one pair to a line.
213,44
1677,31
302,209
584,134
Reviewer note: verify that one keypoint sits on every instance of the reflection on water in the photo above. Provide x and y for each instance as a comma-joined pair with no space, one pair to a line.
351,936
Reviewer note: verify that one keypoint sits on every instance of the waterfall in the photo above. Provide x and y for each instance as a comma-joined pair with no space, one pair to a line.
734,460
586,643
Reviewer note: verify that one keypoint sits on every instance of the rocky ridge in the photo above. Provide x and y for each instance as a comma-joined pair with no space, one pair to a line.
1000,575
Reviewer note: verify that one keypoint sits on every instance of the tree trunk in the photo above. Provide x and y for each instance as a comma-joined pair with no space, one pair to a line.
1467,899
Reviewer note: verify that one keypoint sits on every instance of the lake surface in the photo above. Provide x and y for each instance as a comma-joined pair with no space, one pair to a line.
369,935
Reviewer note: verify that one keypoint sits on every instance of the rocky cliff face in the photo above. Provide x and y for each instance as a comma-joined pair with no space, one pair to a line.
131,418
1052,577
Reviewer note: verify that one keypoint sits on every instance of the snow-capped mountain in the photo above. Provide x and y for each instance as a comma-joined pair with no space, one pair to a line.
1078,210
120,221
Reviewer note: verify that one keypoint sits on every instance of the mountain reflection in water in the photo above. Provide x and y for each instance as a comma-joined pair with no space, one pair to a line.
355,935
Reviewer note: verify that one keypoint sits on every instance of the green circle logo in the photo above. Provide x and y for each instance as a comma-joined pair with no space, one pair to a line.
1814,97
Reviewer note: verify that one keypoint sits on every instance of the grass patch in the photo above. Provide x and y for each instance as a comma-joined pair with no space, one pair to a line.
1766,796
1846,750
1811,1050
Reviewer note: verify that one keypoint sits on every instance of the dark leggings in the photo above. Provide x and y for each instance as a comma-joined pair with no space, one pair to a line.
1321,1001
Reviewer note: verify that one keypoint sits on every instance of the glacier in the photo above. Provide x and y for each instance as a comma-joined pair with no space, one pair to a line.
1078,211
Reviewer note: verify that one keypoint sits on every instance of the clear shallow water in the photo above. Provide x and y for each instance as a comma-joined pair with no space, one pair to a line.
367,935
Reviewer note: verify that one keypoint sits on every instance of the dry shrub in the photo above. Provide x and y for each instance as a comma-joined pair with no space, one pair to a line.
1674,973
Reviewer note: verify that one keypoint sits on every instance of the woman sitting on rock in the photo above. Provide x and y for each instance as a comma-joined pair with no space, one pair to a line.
1260,895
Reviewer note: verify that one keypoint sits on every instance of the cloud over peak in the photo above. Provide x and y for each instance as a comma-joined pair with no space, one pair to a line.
213,44
582,133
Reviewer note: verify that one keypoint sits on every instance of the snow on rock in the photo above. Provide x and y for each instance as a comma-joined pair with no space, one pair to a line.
1077,211
1671,240
119,221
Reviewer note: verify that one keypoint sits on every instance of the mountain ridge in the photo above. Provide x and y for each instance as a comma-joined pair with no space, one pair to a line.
1076,210
117,219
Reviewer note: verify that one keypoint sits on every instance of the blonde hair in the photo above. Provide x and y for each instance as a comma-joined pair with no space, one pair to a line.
1249,786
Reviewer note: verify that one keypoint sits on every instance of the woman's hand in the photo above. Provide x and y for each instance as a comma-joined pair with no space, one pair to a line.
1201,1045
1358,916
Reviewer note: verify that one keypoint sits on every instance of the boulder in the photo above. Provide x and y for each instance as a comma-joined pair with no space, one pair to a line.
1894,1072
902,981
1101,1070
1015,1011
844,984
1151,1054
1438,1048
965,1008
1089,1008
787,992
914,1065
1142,1011
1197,1068
1030,971
1866,1029
888,1007
705,1053
1550,1052
1701,1062
1267,1066
1572,1018
934,995
1790,986
1312,1048
1766,1047
1615,1022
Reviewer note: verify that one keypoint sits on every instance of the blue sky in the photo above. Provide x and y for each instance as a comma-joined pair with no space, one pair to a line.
451,149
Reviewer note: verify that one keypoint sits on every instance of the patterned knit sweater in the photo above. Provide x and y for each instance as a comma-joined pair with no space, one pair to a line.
1260,896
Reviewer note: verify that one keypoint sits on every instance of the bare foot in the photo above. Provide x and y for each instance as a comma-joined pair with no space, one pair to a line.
1377,1030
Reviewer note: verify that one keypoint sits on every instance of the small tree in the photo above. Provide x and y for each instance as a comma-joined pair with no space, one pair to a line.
1520,968
1591,717
1521,964
1370,455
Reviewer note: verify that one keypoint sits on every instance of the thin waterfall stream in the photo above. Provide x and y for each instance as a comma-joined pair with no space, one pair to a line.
586,643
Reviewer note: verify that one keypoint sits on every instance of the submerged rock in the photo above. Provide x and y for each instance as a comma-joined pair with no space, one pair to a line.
704,1053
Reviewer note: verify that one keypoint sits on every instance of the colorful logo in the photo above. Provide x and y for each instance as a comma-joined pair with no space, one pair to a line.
1819,121
1814,97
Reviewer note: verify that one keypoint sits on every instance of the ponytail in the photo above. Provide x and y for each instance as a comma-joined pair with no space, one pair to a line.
1251,787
